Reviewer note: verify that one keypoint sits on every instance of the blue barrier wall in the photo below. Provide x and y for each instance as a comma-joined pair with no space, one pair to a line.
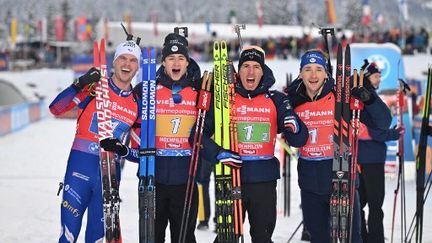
16,117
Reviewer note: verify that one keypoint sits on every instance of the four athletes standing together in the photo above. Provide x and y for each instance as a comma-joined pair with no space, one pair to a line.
178,80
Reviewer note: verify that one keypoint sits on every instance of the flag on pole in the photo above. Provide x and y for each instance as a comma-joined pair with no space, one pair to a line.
42,29
331,12
260,13
403,8
178,16
59,28
154,19
208,25
106,29
380,19
366,18
232,17
13,31
128,20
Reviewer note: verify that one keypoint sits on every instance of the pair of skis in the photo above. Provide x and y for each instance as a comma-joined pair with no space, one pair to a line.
346,125
146,170
356,106
287,156
229,218
110,184
203,106
401,171
423,185
425,132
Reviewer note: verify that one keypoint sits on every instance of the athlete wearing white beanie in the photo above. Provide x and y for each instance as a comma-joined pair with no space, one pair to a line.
128,47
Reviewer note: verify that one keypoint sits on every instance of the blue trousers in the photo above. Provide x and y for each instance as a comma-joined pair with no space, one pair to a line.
82,191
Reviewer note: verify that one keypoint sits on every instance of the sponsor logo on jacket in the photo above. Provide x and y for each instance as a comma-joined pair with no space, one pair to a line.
245,109
307,114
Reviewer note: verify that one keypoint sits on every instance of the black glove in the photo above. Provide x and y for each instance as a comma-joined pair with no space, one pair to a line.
91,76
291,124
362,94
114,145
365,64
230,158
399,129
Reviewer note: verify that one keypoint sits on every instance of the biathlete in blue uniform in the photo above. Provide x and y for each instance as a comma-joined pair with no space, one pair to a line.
82,181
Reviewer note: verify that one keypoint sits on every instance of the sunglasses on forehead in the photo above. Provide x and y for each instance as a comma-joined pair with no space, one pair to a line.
177,98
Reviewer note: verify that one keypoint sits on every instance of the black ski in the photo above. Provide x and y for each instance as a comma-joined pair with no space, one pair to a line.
426,130
340,197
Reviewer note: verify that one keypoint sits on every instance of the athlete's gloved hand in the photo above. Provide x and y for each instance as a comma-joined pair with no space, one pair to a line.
291,124
91,76
401,130
362,94
114,145
230,158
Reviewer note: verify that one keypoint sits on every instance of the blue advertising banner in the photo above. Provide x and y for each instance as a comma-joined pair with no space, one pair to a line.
3,62
389,60
82,63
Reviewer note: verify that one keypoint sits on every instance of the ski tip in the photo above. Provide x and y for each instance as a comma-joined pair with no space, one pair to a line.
223,44
339,50
96,57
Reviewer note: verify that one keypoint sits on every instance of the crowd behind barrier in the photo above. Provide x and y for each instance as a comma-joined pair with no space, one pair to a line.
412,41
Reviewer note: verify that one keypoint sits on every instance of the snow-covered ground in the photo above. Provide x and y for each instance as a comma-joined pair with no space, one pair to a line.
33,161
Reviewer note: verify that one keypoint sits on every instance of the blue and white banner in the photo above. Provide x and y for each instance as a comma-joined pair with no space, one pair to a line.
389,60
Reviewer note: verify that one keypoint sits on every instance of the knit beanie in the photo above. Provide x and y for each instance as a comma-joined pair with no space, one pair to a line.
252,53
128,47
313,57
371,69
175,44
